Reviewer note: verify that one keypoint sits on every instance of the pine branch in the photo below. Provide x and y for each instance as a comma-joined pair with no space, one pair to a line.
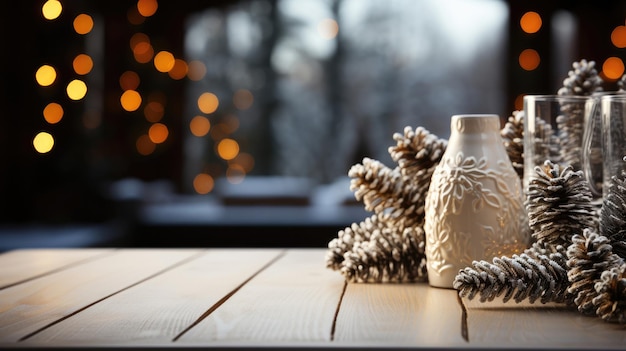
392,255
558,204
588,256
519,277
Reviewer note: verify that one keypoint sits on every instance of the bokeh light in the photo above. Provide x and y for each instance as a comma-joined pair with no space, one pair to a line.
328,28
227,149
83,24
199,126
76,89
164,61
208,103
147,8
130,100
154,111
129,80
243,99
529,59
158,133
179,70
196,70
82,64
51,9
45,75
618,37
530,22
53,113
43,142
144,145
613,68
203,183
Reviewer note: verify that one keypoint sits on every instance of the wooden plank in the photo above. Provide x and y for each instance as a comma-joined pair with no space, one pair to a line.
26,264
542,328
27,307
402,315
156,311
292,302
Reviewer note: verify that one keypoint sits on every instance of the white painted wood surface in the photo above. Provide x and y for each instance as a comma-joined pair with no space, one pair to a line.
250,298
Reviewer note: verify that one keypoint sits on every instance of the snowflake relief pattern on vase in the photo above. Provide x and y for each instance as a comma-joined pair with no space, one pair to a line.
474,208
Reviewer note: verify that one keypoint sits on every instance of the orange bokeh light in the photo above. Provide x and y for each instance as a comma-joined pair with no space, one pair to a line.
529,59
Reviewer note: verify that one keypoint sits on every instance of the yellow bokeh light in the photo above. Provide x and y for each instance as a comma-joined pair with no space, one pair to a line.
154,111
203,183
129,80
45,75
613,68
82,64
147,8
158,133
618,37
227,149
43,142
208,103
144,145
76,89
531,22
51,9
130,100
164,61
83,24
243,99
200,126
53,113
196,70
529,59
179,71
328,28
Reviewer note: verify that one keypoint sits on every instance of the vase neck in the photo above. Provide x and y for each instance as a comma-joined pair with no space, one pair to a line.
475,123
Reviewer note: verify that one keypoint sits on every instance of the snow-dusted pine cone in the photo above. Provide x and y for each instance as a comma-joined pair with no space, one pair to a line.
588,256
416,150
513,138
519,277
558,204
583,79
611,300
351,235
390,256
613,214
375,184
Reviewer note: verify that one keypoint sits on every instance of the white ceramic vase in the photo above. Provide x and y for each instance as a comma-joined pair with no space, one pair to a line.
474,206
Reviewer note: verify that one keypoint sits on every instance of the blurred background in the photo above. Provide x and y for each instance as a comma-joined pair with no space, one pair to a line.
162,123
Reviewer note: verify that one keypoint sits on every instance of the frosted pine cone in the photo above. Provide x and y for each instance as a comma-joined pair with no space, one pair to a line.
558,204
613,214
348,237
611,300
417,150
583,79
513,138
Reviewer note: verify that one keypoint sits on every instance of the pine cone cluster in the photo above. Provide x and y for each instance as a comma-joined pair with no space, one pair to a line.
558,205
389,245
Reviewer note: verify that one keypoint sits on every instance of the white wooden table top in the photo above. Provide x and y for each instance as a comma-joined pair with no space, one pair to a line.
247,298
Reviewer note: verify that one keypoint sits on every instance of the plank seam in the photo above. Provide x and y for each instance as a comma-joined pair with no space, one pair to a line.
177,264
221,301
334,326
464,328
58,269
